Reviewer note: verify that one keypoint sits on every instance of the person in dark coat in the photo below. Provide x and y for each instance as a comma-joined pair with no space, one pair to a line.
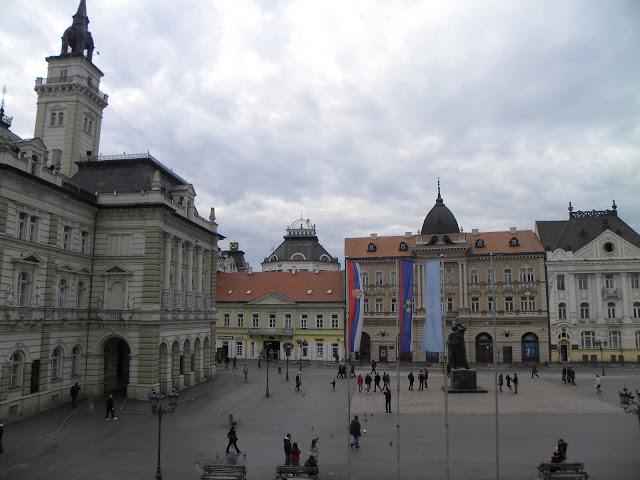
508,379
562,448
75,390
367,382
235,364
515,382
426,379
298,380
287,449
411,379
354,431
500,382
564,374
387,400
420,380
226,363
376,381
233,438
373,366
534,371
110,408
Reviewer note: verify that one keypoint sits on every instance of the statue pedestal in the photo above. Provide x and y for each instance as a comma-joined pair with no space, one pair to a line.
464,381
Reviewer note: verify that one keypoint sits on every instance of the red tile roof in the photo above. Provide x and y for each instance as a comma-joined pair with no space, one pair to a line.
385,246
291,285
498,242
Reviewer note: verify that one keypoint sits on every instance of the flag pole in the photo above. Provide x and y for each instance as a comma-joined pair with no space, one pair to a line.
347,351
444,365
495,364
398,347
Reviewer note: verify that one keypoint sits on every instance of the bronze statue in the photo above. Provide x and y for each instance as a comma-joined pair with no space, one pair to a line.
457,350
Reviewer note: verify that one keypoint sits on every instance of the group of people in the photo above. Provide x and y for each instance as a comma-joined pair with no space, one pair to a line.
227,360
423,377
368,380
512,383
568,375
292,453
560,452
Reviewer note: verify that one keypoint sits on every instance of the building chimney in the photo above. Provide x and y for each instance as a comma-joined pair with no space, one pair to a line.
407,235
475,231
513,230
373,236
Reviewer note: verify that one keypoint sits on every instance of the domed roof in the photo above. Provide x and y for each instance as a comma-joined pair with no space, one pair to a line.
439,220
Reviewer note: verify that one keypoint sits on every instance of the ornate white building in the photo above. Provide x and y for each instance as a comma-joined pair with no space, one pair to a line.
593,271
107,271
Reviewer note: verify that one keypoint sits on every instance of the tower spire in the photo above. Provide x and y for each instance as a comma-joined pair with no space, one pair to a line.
439,199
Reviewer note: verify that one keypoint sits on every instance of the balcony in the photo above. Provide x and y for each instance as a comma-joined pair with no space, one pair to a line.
22,314
610,292
75,79
271,332
115,315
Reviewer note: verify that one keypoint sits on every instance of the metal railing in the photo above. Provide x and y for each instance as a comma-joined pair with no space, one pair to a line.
85,81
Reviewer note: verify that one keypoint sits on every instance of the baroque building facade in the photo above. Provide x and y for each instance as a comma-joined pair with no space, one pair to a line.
486,276
593,265
107,271
260,312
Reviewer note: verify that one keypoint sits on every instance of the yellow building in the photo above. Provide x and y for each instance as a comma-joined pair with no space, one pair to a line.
262,312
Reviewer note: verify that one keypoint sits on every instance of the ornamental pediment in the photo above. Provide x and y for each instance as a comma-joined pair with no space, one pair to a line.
272,299
31,258
608,245
117,270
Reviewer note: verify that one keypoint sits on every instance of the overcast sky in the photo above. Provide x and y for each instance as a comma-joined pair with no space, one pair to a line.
346,112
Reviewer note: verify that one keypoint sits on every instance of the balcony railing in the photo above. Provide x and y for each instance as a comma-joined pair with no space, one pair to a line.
84,81
271,331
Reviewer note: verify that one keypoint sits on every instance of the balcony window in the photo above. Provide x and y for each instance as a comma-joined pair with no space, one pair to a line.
611,310
584,311
335,322
272,320
562,311
379,305
615,339
255,320
608,281
508,275
240,319
583,282
587,339
560,282
508,304
319,320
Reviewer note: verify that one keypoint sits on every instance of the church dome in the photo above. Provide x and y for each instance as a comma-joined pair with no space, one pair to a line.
439,220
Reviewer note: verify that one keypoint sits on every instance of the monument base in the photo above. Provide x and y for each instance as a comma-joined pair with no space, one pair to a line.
464,381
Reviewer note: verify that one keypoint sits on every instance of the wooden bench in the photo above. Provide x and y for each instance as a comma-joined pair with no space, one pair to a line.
286,471
564,471
223,472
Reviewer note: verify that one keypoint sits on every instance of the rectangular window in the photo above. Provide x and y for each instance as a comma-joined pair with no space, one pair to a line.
475,304
393,278
615,339
611,310
66,237
584,311
319,351
365,279
526,275
226,320
560,282
84,241
33,229
366,304
239,349
562,311
608,281
335,322
473,276
527,303
587,339
491,274
255,320
508,304
63,74
635,280
379,281
272,320
508,276
319,320
448,276
52,120
303,320
583,281
241,320
491,304
379,305
287,320
449,304
23,220
394,304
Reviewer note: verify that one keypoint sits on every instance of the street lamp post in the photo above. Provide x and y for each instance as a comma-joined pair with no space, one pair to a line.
600,344
267,357
158,410
287,350
301,343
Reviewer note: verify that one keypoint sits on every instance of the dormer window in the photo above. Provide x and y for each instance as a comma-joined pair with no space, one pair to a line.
404,247
309,292
514,242
329,292
229,292
248,292
371,247
479,243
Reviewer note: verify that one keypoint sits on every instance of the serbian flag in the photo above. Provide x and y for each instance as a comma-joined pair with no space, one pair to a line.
356,306
432,340
405,315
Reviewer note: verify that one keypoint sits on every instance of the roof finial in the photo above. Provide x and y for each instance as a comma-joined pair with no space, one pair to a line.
4,91
439,199
614,207
570,210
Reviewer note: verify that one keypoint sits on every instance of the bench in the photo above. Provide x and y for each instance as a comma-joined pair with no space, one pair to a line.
223,472
564,471
285,471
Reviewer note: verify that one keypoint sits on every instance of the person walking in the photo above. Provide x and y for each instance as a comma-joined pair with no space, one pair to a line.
571,375
376,385
426,379
387,400
515,383
360,381
295,455
245,370
260,362
233,438
354,431
420,380
287,449
226,362
500,382
508,379
597,385
386,380
235,364
314,450
411,379
1,434
333,384
110,408
75,390
562,449
367,382
373,366
298,380
352,369
534,371
564,374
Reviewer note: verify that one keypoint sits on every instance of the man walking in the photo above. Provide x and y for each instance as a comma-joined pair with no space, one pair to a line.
411,380
360,382
426,379
298,380
515,383
233,438
534,371
387,400
508,379
287,449
564,374
373,366
75,389
367,382
235,364
500,382
354,431
420,380
110,408
226,362
597,385
245,370
376,385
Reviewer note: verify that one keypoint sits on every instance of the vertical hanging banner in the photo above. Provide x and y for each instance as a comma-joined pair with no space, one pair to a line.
356,306
405,315
432,334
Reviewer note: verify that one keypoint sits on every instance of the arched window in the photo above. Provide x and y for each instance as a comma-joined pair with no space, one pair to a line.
24,286
611,310
53,119
514,242
62,293
615,339
61,118
298,256
584,310
75,361
530,347
16,365
562,311
56,364
587,339
325,258
479,243
636,309
371,248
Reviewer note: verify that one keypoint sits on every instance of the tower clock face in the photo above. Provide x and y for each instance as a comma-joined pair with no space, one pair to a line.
233,246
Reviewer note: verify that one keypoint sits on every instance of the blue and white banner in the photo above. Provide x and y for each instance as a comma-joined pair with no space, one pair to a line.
432,340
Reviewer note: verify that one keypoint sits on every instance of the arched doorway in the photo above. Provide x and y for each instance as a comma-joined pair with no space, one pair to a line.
530,347
484,348
116,365
365,347
564,351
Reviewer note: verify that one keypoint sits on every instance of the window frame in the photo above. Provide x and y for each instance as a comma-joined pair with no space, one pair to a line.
587,339
508,303
335,321
379,305
304,320
562,311
240,320
583,281
560,283
617,335
507,275
255,320
584,311
319,321
226,320
475,304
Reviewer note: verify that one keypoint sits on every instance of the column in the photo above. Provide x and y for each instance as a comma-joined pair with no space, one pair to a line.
178,299
189,286
198,277
166,285
573,313
625,297
460,286
600,311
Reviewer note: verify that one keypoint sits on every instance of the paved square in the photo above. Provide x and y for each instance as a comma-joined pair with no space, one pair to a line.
86,446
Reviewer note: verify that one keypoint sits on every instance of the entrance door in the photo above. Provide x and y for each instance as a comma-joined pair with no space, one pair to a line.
116,366
507,355
564,352
383,353
365,347
530,348
484,348
272,348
